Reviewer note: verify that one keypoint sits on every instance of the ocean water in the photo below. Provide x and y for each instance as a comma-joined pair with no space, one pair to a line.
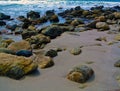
21,7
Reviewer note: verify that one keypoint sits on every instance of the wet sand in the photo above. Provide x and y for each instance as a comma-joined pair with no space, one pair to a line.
54,78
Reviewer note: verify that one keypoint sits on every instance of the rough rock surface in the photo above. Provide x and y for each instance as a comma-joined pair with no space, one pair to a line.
15,67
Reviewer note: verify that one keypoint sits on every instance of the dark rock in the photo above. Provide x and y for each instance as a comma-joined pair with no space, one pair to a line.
97,8
32,15
77,8
80,74
2,23
117,64
52,31
92,24
28,33
51,53
54,18
26,24
25,53
4,17
50,13
21,18
11,27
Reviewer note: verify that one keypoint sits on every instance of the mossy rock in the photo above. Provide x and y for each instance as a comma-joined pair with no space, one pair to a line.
80,74
15,67
5,50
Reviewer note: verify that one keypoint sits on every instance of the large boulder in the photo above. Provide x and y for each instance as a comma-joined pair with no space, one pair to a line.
44,61
38,40
52,31
4,17
32,15
15,67
80,74
21,45
102,26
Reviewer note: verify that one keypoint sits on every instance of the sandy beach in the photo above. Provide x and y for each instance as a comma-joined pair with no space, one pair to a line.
54,78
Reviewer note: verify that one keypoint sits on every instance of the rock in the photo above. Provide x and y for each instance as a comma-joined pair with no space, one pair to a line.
2,23
28,33
52,31
5,50
32,15
21,18
85,12
51,53
26,24
75,51
117,15
31,27
44,61
76,22
54,18
117,64
117,37
38,40
21,45
80,74
101,39
43,19
25,53
5,43
50,13
97,8
80,29
4,17
102,25
92,24
11,27
15,67
102,18
77,8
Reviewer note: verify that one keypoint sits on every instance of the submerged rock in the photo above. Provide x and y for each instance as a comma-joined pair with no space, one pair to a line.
21,45
15,67
54,18
32,15
80,74
2,23
44,61
4,17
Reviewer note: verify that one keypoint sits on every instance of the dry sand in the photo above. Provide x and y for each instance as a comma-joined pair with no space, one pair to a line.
54,78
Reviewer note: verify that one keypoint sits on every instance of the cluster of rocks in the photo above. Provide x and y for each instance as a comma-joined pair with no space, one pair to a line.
15,57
